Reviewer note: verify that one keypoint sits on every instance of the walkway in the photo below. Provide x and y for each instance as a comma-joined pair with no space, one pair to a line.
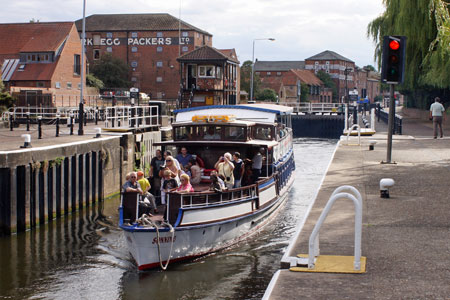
405,238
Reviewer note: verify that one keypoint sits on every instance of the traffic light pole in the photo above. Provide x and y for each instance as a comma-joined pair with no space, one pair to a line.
390,123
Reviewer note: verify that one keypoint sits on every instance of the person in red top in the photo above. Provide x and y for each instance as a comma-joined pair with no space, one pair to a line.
185,186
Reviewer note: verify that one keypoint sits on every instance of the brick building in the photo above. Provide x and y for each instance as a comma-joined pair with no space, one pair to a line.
341,69
209,76
367,83
41,63
148,43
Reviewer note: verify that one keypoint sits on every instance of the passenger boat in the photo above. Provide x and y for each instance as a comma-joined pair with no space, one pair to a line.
202,222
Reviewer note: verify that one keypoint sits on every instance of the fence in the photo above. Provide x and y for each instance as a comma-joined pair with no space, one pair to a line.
384,116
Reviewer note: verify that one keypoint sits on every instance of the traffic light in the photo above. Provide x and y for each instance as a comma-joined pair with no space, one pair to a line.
393,59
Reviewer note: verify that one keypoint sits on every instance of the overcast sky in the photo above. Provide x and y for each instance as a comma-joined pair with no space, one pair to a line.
302,28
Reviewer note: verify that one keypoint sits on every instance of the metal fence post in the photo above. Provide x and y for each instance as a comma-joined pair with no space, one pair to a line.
39,127
57,125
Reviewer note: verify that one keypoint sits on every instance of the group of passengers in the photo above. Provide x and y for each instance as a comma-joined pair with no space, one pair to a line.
177,174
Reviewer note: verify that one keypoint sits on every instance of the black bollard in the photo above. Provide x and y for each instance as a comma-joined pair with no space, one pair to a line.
39,127
57,125
28,121
355,115
71,124
96,116
11,121
85,118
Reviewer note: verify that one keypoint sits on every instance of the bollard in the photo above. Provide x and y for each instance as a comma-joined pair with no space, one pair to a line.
57,125
85,118
385,184
118,120
71,123
372,145
11,121
96,117
114,116
39,127
98,133
27,143
28,121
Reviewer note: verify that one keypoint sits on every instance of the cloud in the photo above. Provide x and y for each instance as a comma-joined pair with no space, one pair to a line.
301,28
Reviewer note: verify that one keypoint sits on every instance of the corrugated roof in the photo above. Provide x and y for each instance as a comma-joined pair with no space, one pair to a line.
32,37
278,65
8,68
207,53
328,55
137,22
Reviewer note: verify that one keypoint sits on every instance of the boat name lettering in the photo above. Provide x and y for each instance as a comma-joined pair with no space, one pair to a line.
164,239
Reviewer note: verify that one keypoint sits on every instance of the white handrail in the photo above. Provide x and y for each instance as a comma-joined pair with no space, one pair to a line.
353,195
359,133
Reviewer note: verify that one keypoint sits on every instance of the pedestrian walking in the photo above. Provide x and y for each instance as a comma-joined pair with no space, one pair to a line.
437,111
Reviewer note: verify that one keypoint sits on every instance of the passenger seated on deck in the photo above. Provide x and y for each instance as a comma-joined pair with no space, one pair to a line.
217,183
196,172
211,135
131,185
168,184
149,199
185,186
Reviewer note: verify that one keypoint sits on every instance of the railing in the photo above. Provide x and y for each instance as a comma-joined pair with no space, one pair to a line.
384,116
343,192
131,116
312,108
25,112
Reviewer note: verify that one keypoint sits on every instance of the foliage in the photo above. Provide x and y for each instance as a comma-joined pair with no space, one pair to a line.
378,98
266,94
246,73
328,82
112,71
304,88
6,100
370,68
93,81
426,24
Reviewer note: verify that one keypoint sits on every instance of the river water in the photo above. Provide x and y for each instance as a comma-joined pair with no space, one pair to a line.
85,257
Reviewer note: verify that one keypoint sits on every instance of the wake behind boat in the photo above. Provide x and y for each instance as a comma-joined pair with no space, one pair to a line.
201,222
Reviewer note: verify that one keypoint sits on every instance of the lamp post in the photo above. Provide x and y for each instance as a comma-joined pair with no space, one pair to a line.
253,63
83,41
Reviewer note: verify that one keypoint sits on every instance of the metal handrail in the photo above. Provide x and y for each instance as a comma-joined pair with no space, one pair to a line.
127,115
309,107
343,192
359,133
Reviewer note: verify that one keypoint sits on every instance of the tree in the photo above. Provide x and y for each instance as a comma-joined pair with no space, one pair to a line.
370,68
6,100
266,94
93,81
112,71
246,73
427,28
328,83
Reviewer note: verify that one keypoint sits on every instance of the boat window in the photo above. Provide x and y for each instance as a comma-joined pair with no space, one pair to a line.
184,133
263,132
211,132
234,133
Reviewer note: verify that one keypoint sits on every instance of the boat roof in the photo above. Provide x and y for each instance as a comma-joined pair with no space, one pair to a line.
229,123
265,113
263,107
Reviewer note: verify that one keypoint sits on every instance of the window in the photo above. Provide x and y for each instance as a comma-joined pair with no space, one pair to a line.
134,64
198,35
79,86
234,133
257,73
58,85
269,73
109,49
159,64
159,34
109,35
184,34
133,49
39,84
134,79
76,64
262,132
206,71
69,85
134,34
185,48
159,49
278,73
96,39
159,79
219,73
96,54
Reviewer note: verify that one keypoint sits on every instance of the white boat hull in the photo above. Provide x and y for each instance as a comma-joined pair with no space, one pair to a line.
197,240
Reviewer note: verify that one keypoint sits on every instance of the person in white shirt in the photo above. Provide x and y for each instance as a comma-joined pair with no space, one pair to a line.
437,111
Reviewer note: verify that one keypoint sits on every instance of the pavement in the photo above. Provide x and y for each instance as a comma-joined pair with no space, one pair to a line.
405,238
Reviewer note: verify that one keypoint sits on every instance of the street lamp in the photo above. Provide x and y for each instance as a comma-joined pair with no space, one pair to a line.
253,63
83,41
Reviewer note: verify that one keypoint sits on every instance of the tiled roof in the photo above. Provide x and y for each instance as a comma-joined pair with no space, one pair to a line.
273,83
328,55
138,22
278,65
32,37
307,77
35,72
207,53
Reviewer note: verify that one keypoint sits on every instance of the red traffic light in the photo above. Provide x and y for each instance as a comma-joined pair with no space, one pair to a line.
394,45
